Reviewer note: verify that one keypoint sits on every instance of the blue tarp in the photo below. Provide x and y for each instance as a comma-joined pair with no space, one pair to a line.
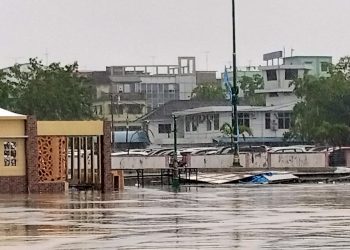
258,178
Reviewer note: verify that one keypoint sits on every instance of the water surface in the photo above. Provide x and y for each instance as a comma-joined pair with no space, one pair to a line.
313,216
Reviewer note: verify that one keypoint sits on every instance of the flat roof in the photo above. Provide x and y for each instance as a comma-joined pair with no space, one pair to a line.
287,57
284,66
273,91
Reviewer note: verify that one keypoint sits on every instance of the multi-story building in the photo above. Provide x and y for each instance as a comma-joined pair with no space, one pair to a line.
133,91
278,89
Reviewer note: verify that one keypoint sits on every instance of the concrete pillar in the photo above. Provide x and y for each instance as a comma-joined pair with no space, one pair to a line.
107,176
31,148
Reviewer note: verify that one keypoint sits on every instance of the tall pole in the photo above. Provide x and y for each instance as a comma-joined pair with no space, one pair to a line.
176,181
127,133
234,93
112,119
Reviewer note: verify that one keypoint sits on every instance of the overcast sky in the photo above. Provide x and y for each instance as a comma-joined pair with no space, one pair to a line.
97,33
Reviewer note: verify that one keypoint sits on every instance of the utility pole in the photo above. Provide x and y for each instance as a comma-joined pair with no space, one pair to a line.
176,181
127,133
111,95
234,93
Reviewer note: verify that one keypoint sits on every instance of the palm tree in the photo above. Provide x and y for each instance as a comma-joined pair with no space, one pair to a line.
226,129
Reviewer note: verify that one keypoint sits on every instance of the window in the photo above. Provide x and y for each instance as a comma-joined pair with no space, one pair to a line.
109,109
216,122
308,63
120,109
160,88
324,66
195,123
284,120
267,120
209,122
134,109
97,110
243,119
273,94
149,88
188,123
171,88
126,88
143,87
271,75
164,128
10,154
291,74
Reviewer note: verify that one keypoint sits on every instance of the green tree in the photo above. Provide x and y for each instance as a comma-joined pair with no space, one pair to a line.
323,113
248,85
5,91
51,92
208,92
226,129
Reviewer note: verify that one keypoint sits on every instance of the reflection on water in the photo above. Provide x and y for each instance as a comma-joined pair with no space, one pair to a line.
224,217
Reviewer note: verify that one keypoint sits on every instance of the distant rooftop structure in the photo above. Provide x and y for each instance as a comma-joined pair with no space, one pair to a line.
185,66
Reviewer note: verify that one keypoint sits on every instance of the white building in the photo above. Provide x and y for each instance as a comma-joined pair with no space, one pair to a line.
278,87
202,125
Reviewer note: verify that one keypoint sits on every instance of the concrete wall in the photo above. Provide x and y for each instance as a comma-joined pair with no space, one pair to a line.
215,161
70,128
302,160
247,160
139,162
282,98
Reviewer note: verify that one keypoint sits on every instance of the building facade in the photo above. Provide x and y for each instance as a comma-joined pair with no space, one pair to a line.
202,125
125,93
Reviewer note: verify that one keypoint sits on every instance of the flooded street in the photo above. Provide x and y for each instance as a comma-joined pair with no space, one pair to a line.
309,216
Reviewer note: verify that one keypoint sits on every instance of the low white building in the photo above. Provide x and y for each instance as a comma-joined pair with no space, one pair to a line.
202,125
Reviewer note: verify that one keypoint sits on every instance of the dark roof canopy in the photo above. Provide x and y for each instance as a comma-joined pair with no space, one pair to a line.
165,111
133,137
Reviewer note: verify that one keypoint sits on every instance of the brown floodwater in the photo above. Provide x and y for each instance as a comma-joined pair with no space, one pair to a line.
313,216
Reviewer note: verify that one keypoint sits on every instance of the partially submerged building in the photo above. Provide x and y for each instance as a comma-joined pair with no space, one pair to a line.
49,156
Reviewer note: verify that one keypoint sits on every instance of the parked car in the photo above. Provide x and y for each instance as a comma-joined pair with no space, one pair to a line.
123,153
229,150
290,149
